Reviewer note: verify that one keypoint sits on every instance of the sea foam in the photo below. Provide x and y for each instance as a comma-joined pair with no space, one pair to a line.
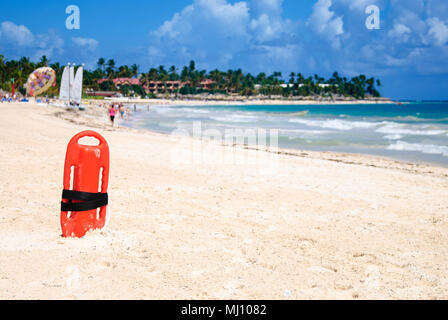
424,148
392,128
337,124
236,118
393,137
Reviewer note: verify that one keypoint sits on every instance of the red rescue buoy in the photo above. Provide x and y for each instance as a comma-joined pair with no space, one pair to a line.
85,198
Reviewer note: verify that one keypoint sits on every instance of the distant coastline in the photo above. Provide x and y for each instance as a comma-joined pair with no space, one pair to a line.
108,81
201,101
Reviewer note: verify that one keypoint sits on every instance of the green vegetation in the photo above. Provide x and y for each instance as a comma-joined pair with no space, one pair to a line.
223,82
19,70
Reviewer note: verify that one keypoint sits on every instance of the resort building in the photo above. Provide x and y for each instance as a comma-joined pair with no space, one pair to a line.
172,86
320,85
106,94
118,82
163,86
157,86
206,84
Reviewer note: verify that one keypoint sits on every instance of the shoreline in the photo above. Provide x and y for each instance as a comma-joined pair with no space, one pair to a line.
97,119
199,102
322,226
318,153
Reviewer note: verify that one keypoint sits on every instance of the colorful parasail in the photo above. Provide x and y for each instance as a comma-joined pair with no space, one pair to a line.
40,80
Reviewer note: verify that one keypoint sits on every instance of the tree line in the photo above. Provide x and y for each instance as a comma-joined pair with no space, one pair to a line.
224,82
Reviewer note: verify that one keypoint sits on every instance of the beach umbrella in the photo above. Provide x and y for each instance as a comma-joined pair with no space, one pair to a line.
40,80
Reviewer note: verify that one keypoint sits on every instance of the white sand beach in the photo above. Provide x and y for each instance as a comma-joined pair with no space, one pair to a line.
320,226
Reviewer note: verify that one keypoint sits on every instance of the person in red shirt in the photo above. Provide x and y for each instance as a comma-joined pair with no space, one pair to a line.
112,113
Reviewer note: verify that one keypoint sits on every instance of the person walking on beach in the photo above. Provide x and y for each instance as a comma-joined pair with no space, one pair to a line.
121,110
112,114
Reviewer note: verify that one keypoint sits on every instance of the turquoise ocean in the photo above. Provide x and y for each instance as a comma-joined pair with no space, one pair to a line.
414,132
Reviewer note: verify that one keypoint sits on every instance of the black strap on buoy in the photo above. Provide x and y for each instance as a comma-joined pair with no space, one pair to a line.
91,201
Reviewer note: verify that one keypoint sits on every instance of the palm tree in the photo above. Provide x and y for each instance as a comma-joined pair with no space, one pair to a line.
43,61
153,75
110,68
232,81
292,78
2,68
101,63
216,76
124,72
26,66
228,80
56,67
247,86
276,76
144,79
192,67
19,78
134,70
173,76
370,85
261,78
237,79
185,75
163,74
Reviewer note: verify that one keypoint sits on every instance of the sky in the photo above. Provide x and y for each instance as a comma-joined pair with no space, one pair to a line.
408,51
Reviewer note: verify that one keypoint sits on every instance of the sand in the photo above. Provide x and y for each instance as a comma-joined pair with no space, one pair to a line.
314,226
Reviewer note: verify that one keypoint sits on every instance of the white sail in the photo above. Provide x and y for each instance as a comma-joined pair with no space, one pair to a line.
72,74
76,93
72,80
64,92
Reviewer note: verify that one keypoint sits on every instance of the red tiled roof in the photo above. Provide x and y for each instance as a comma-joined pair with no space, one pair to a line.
120,81
101,93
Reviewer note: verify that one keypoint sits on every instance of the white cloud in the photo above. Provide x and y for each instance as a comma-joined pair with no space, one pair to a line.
48,44
266,28
223,17
400,32
438,31
360,5
271,7
86,43
324,22
217,25
267,22
217,31
19,40
255,35
15,34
